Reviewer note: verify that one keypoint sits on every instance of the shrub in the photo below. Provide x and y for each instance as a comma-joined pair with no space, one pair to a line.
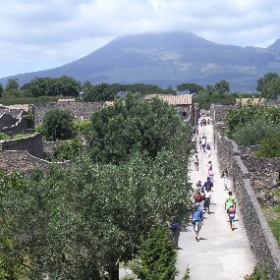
254,131
270,147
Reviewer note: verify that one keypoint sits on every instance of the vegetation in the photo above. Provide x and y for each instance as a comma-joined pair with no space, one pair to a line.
135,126
270,146
269,85
57,124
238,116
63,222
157,256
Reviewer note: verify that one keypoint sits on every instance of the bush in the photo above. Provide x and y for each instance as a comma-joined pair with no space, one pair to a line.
270,147
254,131
57,124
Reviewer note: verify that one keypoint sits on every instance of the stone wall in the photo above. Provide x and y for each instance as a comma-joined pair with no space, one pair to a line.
24,162
33,145
263,243
80,110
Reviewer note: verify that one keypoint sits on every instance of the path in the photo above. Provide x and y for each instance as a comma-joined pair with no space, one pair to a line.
221,254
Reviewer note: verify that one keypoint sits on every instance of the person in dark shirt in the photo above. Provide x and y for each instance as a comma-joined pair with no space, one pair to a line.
208,183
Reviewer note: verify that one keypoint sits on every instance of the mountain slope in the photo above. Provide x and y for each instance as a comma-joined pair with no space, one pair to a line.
168,59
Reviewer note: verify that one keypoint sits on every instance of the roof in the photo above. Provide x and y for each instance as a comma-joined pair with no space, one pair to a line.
66,100
23,107
255,101
180,99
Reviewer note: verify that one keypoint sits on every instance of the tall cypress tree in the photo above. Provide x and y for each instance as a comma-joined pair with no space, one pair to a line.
157,254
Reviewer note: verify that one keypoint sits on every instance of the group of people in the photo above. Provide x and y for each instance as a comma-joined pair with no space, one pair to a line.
202,196
203,192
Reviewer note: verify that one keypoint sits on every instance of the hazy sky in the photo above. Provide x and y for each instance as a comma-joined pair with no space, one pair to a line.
43,34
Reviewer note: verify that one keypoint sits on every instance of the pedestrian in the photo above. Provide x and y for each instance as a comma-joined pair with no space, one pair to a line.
211,173
175,232
199,197
231,215
199,186
208,183
230,201
197,219
196,163
225,176
208,149
209,164
200,144
207,195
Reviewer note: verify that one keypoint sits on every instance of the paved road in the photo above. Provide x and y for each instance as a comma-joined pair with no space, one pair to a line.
221,254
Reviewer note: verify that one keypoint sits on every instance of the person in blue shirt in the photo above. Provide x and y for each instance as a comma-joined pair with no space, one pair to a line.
208,183
175,229
197,219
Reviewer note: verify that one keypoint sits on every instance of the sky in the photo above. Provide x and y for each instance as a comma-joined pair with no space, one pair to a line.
44,34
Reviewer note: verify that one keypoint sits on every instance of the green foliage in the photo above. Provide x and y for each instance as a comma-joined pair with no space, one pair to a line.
135,126
270,147
239,115
254,131
57,124
67,149
82,126
142,89
157,254
12,85
3,136
190,87
187,275
100,92
261,273
269,85
62,86
222,87
1,90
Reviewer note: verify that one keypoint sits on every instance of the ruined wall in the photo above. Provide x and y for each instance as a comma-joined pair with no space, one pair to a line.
80,110
33,145
24,162
250,176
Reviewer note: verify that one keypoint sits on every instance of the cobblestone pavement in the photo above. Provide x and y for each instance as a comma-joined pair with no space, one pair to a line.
221,254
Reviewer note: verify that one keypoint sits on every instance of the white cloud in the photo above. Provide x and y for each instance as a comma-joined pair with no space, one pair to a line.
37,35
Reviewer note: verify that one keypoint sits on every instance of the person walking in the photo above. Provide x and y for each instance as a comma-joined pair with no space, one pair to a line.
211,173
230,201
196,163
207,195
208,150
175,229
231,215
197,219
225,176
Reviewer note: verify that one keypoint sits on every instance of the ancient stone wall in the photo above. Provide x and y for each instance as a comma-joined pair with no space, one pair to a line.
24,162
263,243
33,145
80,110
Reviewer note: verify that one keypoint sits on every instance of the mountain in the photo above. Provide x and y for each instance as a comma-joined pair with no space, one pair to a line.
168,59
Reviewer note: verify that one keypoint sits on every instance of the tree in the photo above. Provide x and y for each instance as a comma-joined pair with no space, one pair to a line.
267,78
57,124
157,255
100,92
11,85
133,125
63,86
190,87
1,90
222,87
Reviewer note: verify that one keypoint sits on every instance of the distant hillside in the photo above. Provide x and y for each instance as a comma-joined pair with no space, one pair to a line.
169,59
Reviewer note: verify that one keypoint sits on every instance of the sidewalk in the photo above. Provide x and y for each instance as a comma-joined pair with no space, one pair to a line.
221,254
